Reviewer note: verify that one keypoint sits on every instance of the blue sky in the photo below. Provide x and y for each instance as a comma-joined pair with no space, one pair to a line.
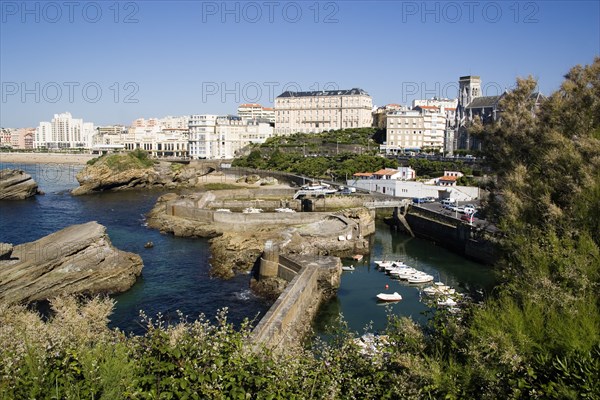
111,62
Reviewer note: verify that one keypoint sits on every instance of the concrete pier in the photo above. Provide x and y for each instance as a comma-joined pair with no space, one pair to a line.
312,280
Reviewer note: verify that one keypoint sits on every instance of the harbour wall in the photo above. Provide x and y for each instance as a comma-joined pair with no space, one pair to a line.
453,234
312,279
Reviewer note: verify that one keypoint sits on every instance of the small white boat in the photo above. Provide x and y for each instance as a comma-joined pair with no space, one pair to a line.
420,278
407,273
383,264
402,273
252,210
284,210
437,289
447,302
389,297
223,210
357,257
348,268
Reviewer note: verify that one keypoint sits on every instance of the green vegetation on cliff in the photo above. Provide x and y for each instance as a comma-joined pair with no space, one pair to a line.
137,159
537,337
335,155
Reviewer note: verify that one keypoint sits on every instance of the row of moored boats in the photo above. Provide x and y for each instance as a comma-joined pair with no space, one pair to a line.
437,293
399,270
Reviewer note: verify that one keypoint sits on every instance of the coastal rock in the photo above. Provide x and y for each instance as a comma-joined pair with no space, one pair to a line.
16,184
79,259
135,171
99,178
5,250
268,180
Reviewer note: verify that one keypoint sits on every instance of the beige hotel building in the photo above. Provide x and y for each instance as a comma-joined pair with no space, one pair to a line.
414,130
319,111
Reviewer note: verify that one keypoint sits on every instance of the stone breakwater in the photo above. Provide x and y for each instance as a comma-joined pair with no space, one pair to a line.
16,184
238,239
311,281
79,259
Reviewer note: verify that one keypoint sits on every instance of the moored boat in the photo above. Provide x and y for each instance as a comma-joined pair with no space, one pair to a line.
389,297
447,302
420,278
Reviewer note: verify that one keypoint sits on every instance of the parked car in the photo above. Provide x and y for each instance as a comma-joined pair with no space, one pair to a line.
468,217
418,200
449,200
429,199
469,210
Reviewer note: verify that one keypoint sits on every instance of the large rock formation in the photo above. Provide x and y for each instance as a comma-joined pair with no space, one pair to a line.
99,178
79,259
16,185
134,170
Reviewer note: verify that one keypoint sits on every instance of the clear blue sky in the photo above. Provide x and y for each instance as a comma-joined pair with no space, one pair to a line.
155,58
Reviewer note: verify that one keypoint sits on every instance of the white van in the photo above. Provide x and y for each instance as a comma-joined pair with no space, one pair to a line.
449,200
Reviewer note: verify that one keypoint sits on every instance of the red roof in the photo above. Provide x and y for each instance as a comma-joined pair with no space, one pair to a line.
448,178
363,174
250,105
386,171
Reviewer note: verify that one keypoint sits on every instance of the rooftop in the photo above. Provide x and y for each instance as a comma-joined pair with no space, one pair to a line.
386,171
350,92
485,101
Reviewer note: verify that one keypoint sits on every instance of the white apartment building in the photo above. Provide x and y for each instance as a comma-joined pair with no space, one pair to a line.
64,132
160,137
202,135
318,111
435,102
255,111
212,136
414,130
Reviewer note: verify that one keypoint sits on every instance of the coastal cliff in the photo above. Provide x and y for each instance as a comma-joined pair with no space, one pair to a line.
16,184
79,259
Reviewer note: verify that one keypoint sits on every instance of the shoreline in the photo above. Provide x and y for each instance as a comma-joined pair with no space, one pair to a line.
46,158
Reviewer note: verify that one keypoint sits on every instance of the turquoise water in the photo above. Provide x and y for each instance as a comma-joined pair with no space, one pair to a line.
175,275
356,300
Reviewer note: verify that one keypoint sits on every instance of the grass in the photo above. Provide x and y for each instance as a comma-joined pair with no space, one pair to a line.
137,159
222,186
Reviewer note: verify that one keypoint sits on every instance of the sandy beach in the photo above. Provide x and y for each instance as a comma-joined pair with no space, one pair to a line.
45,158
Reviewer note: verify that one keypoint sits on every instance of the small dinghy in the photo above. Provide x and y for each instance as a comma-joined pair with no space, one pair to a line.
389,297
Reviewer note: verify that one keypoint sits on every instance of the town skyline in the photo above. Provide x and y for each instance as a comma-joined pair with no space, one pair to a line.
114,62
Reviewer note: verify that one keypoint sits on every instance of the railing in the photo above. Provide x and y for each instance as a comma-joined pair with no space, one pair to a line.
317,192
386,203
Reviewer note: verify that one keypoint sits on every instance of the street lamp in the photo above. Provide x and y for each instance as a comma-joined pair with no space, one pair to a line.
456,208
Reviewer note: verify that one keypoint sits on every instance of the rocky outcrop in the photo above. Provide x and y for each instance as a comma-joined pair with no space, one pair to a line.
99,178
235,250
17,185
79,259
